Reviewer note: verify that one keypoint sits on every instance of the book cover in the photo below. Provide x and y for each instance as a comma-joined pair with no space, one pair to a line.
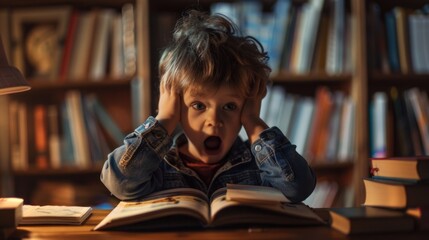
281,17
392,41
69,45
402,128
309,25
401,18
407,168
336,36
80,58
347,126
41,147
78,130
10,212
105,119
302,123
379,123
318,134
186,207
416,139
356,220
414,96
395,194
100,46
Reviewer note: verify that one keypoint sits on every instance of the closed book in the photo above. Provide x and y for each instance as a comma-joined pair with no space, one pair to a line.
10,212
54,215
356,220
412,168
392,41
395,194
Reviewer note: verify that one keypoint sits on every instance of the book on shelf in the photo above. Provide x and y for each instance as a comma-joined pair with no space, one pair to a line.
416,139
54,215
402,126
41,147
302,123
346,148
100,46
105,119
336,36
10,212
417,42
392,41
355,220
281,17
187,207
78,131
378,120
318,134
401,19
411,168
116,65
307,34
395,194
418,107
80,57
68,45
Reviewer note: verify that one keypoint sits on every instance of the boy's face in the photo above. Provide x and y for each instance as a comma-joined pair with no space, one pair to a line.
211,121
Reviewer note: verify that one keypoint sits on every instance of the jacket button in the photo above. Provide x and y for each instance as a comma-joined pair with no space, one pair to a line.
258,148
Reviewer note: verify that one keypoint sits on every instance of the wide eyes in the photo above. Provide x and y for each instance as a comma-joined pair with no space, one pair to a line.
230,107
198,106
227,107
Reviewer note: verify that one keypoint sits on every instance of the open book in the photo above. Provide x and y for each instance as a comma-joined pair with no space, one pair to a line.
186,207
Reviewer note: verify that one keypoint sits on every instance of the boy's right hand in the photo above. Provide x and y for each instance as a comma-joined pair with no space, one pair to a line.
168,108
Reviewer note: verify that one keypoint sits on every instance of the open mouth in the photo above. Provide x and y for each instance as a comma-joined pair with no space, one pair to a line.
212,144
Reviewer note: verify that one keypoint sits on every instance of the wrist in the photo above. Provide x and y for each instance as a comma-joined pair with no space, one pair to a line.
254,126
168,123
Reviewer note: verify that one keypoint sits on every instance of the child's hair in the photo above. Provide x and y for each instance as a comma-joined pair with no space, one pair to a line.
207,52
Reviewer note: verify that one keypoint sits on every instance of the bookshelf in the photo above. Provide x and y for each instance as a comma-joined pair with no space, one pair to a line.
154,21
117,87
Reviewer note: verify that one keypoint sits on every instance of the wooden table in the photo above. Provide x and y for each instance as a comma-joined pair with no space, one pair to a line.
85,232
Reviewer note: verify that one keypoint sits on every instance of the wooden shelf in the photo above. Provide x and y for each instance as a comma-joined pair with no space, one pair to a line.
71,171
37,84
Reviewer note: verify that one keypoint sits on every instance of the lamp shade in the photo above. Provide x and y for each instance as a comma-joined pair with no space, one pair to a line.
11,79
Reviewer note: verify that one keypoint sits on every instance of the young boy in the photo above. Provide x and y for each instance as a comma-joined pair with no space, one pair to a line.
212,84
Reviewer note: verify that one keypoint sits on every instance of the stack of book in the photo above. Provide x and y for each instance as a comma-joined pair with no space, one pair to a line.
10,215
396,199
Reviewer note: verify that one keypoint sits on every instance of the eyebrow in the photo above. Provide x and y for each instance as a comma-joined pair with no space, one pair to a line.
201,94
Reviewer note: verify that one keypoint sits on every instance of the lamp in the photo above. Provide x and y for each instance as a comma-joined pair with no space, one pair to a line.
11,79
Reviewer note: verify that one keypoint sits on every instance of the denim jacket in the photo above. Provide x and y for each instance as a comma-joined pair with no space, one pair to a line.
149,161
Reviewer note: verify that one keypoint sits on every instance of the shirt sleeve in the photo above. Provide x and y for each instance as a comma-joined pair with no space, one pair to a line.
132,170
282,166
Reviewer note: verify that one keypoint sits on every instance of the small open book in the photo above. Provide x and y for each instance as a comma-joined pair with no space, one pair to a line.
54,215
236,205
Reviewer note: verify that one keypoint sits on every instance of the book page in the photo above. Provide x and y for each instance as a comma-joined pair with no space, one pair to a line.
256,194
265,213
134,212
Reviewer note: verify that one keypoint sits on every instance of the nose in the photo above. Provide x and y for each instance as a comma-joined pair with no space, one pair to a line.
214,118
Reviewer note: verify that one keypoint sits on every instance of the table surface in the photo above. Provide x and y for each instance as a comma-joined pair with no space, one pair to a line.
85,231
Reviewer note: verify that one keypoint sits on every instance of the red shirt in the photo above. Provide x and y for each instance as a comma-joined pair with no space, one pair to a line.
205,171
